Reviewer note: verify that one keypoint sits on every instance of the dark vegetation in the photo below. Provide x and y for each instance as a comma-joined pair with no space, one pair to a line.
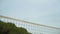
9,28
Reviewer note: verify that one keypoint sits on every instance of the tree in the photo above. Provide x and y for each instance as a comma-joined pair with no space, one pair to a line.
9,28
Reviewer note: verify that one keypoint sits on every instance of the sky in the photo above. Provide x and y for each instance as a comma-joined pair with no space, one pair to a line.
45,12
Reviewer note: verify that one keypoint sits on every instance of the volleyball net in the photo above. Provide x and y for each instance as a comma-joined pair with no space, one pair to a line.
32,27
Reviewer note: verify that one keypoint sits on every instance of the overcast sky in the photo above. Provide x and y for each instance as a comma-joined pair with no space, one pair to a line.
39,11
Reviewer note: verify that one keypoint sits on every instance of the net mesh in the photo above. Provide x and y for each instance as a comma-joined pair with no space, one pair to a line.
31,27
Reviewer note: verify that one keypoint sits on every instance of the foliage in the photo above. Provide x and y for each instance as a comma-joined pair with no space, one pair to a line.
9,28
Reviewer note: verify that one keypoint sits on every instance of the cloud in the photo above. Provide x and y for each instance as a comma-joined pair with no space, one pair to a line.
42,11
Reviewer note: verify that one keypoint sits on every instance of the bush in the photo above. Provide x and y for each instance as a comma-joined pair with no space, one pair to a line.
9,28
